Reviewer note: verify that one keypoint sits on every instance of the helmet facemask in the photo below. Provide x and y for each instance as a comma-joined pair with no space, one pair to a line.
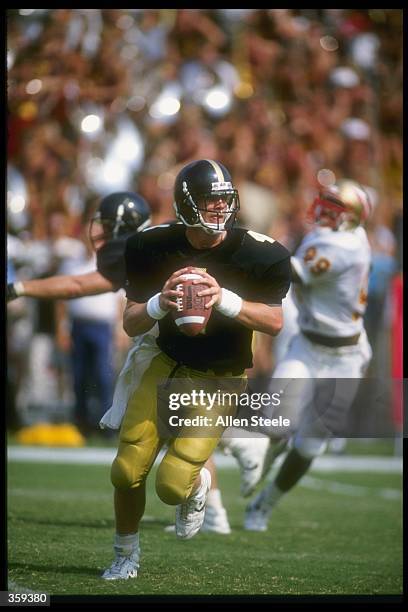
192,210
104,229
327,211
100,231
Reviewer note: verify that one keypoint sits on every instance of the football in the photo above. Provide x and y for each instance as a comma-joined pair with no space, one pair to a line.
191,315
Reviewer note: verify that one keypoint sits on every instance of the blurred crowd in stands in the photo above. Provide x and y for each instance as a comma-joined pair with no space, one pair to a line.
101,100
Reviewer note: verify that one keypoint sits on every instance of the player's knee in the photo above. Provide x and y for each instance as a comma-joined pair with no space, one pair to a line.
131,466
193,450
174,479
309,448
122,476
180,467
170,492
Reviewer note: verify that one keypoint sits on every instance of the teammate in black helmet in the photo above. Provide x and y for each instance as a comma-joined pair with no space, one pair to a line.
119,215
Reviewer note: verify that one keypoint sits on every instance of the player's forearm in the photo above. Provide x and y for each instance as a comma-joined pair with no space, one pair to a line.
136,321
260,317
64,287
57,287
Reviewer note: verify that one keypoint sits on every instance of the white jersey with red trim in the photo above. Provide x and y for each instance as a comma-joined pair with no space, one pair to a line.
333,267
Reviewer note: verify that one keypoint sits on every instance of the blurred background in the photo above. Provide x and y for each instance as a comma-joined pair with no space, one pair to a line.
101,100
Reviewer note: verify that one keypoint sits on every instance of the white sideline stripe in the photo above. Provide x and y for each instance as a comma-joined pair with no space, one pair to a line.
105,456
190,319
348,489
357,463
87,456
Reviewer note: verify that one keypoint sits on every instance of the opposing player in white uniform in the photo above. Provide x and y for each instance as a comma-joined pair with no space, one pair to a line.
330,272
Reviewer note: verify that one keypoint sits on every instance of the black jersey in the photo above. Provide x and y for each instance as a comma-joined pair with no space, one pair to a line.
110,261
250,264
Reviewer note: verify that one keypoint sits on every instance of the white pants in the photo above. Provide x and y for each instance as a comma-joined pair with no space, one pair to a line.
138,359
316,409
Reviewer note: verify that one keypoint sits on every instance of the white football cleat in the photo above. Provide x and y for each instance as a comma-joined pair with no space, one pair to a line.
122,568
257,514
250,454
216,521
190,515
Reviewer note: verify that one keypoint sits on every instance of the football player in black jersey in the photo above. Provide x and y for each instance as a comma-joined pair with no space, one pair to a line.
247,275
118,216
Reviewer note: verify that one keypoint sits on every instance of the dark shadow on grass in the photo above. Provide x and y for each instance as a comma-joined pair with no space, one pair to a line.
59,569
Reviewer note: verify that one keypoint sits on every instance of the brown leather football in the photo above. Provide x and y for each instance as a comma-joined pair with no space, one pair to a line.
191,317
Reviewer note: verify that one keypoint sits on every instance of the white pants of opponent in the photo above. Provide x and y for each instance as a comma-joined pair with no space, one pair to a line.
317,407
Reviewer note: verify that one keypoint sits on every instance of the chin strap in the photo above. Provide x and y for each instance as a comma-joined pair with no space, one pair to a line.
210,230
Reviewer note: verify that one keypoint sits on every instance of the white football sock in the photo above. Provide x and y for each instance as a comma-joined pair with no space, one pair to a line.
126,544
200,489
214,498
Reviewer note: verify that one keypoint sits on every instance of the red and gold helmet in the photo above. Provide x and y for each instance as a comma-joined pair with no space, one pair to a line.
341,206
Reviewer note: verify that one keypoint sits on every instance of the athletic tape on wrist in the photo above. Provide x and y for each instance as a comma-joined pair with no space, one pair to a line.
18,288
230,304
154,310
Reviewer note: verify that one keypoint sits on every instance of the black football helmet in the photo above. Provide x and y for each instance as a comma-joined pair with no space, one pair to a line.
200,183
119,213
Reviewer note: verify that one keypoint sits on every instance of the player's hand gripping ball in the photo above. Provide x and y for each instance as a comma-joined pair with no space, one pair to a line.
191,316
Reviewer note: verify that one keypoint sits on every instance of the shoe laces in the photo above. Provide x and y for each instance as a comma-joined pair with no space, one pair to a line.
192,505
119,563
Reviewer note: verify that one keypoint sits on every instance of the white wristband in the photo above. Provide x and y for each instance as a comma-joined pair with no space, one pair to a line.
154,310
19,288
230,304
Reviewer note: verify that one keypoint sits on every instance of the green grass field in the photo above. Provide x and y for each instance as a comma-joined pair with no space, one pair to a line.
60,534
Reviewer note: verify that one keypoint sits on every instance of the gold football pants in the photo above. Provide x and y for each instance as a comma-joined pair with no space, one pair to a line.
140,441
